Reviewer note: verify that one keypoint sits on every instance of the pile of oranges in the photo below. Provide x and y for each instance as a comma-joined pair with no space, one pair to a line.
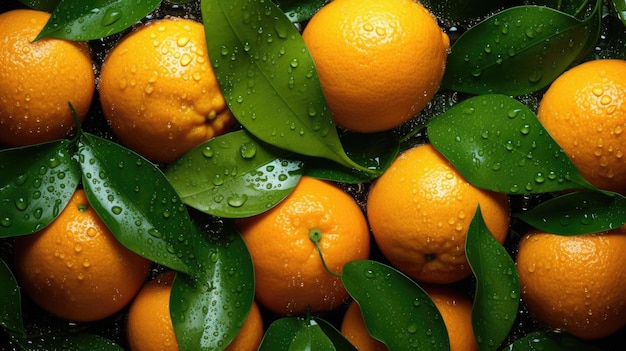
380,63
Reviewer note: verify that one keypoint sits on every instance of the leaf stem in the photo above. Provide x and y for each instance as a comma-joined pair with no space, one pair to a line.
315,235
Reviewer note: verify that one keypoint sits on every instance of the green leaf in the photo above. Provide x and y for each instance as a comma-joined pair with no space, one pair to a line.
10,302
375,151
339,341
41,5
87,20
295,334
268,78
497,143
234,175
36,182
547,341
300,10
208,309
137,203
405,318
620,9
68,342
517,51
577,213
497,285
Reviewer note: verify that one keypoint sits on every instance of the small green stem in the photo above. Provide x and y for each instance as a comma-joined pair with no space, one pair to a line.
315,235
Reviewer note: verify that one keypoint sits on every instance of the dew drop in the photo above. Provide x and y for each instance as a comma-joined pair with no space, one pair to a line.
116,210
248,150
208,152
370,274
21,203
111,16
6,222
237,200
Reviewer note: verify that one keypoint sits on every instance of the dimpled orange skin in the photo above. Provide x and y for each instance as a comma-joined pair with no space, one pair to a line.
585,112
75,268
419,211
379,62
289,273
39,79
159,92
575,283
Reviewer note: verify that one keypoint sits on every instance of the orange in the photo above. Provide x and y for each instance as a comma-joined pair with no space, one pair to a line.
576,284
419,211
149,325
39,79
290,275
456,312
354,329
584,110
75,268
159,92
379,61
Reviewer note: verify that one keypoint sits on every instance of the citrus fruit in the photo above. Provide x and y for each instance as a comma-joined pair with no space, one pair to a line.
576,284
75,268
289,272
353,328
456,311
149,325
39,79
158,90
584,110
419,211
379,62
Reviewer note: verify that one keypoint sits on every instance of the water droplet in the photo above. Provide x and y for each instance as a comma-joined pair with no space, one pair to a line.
208,152
525,130
155,233
6,222
116,210
294,63
237,200
21,203
412,328
111,16
370,274
248,150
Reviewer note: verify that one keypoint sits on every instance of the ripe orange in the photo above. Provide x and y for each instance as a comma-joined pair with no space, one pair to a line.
159,92
39,79
575,283
585,112
75,268
149,325
379,62
419,211
289,273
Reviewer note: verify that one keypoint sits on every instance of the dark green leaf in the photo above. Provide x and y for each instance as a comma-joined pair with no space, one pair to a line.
461,9
497,285
234,175
300,10
396,311
620,8
339,341
41,5
208,309
517,51
137,203
576,213
497,143
10,301
546,341
36,182
70,342
295,334
268,78
376,151
87,20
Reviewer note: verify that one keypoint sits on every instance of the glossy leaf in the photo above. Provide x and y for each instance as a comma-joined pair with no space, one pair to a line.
576,213
339,340
300,10
497,143
36,182
137,203
208,309
517,51
87,20
620,9
73,342
396,311
295,334
546,341
497,286
268,78
234,175
10,302
375,151
41,5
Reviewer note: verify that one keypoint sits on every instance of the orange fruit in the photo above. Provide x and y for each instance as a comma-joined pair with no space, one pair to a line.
149,325
456,311
75,268
419,211
576,284
158,90
290,276
379,62
584,110
39,79
354,329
